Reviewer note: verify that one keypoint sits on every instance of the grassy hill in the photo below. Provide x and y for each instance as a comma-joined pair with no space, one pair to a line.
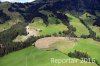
30,22
90,46
32,56
80,28
47,30
28,55
88,18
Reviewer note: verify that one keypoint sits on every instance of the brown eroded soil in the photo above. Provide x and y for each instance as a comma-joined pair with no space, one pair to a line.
48,41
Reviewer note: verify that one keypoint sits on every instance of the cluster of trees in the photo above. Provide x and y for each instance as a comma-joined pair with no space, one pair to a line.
10,34
6,39
67,33
65,21
3,17
91,35
78,54
97,38
62,34
82,56
8,47
97,22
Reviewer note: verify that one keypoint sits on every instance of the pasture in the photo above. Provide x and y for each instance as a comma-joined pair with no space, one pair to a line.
91,47
47,30
80,28
32,56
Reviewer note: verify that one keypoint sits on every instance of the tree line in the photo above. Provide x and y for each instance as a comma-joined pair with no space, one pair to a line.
82,56
3,17
6,39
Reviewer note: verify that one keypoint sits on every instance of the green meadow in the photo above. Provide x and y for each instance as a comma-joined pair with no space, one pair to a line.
88,18
91,47
32,56
8,24
5,26
49,33
47,30
80,28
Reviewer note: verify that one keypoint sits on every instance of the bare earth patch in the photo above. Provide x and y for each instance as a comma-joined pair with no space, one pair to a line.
31,32
57,42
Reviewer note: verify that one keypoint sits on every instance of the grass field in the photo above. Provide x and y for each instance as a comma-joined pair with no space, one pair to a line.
8,24
62,45
50,29
90,46
32,56
37,23
88,18
20,38
89,21
80,28
5,26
